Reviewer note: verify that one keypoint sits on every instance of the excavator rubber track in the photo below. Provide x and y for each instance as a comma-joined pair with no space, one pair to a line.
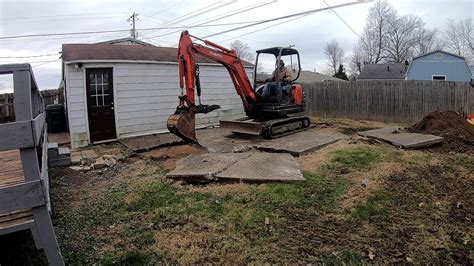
268,129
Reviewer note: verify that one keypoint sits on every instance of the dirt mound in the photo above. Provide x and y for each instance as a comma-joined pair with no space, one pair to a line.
170,154
457,132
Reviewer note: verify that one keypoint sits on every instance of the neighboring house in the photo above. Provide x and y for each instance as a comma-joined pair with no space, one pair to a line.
439,65
394,71
118,91
310,77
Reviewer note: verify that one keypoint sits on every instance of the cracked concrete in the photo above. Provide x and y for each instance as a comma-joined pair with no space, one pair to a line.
400,138
261,166
250,166
204,166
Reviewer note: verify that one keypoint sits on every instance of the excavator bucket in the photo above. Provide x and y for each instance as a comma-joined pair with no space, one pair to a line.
183,126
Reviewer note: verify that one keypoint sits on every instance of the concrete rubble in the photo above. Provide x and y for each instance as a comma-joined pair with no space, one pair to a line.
87,160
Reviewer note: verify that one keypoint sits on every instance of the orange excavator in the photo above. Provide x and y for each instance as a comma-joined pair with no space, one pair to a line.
269,106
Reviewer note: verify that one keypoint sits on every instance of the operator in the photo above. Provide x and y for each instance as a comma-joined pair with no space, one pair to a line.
285,76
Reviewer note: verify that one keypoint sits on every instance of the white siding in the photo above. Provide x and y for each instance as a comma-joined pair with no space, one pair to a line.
146,95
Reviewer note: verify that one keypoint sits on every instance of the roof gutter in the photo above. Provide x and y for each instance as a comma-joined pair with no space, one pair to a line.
138,62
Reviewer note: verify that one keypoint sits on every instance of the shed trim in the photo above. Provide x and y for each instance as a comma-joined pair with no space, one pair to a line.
138,62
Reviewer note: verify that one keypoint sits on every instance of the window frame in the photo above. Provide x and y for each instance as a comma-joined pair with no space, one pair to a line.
444,76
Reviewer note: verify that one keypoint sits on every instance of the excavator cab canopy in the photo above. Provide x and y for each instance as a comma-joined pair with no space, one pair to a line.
289,55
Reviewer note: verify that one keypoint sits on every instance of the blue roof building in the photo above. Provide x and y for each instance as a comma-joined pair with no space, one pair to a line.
439,65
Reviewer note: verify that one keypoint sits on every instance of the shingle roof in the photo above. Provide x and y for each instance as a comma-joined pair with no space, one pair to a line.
100,51
127,41
309,76
383,71
439,51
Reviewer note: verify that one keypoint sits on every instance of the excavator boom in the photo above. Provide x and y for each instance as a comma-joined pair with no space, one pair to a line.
269,115
182,123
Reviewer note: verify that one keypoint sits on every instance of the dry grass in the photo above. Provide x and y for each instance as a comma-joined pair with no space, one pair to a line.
416,206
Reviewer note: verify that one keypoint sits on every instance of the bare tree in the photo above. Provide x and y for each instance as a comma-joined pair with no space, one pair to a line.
243,50
355,62
373,38
458,37
335,55
402,38
427,42
388,37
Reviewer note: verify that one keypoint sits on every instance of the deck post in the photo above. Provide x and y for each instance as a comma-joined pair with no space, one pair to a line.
27,100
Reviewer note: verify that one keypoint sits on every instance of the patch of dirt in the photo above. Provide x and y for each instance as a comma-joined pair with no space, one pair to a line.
69,177
434,209
457,132
169,155
366,183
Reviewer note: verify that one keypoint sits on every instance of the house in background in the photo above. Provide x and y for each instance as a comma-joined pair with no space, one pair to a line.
439,65
394,71
120,90
127,41
310,77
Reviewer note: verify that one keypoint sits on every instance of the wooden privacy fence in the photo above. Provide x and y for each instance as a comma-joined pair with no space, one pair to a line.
7,111
391,101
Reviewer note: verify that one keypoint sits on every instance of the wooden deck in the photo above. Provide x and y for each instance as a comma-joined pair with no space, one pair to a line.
11,173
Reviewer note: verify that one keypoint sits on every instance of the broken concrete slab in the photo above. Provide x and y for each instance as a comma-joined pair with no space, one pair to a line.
300,143
204,166
256,166
261,166
400,138
222,140
146,143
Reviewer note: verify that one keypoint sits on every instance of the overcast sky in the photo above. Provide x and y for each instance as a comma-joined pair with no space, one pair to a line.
309,34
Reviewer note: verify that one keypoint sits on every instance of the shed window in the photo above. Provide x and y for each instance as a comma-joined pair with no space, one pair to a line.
100,88
438,55
439,77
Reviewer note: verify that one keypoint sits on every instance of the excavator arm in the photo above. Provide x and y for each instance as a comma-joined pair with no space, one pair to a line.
182,123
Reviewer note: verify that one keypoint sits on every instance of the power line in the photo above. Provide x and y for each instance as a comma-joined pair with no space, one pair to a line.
69,15
27,56
334,11
45,63
195,13
165,9
289,16
225,15
271,26
116,31
207,31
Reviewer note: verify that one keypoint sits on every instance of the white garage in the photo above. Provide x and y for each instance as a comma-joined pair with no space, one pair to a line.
119,91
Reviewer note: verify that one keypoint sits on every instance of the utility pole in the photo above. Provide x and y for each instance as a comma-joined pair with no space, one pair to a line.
133,18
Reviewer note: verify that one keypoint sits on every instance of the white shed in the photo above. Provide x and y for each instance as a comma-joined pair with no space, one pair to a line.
120,91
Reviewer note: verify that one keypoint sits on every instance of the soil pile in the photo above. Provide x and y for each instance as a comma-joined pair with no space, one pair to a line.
457,132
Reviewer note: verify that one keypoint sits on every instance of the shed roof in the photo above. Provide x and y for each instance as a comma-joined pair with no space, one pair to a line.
383,71
438,51
101,51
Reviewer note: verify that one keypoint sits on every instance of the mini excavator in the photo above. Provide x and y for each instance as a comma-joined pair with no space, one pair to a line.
269,114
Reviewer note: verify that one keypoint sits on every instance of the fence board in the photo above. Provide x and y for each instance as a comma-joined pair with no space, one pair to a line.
391,101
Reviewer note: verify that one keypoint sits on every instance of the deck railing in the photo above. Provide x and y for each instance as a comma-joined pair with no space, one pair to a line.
28,134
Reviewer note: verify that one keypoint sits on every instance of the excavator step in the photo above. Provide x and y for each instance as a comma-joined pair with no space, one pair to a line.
268,129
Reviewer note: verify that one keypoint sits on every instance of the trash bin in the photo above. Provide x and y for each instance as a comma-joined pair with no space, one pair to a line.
55,118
